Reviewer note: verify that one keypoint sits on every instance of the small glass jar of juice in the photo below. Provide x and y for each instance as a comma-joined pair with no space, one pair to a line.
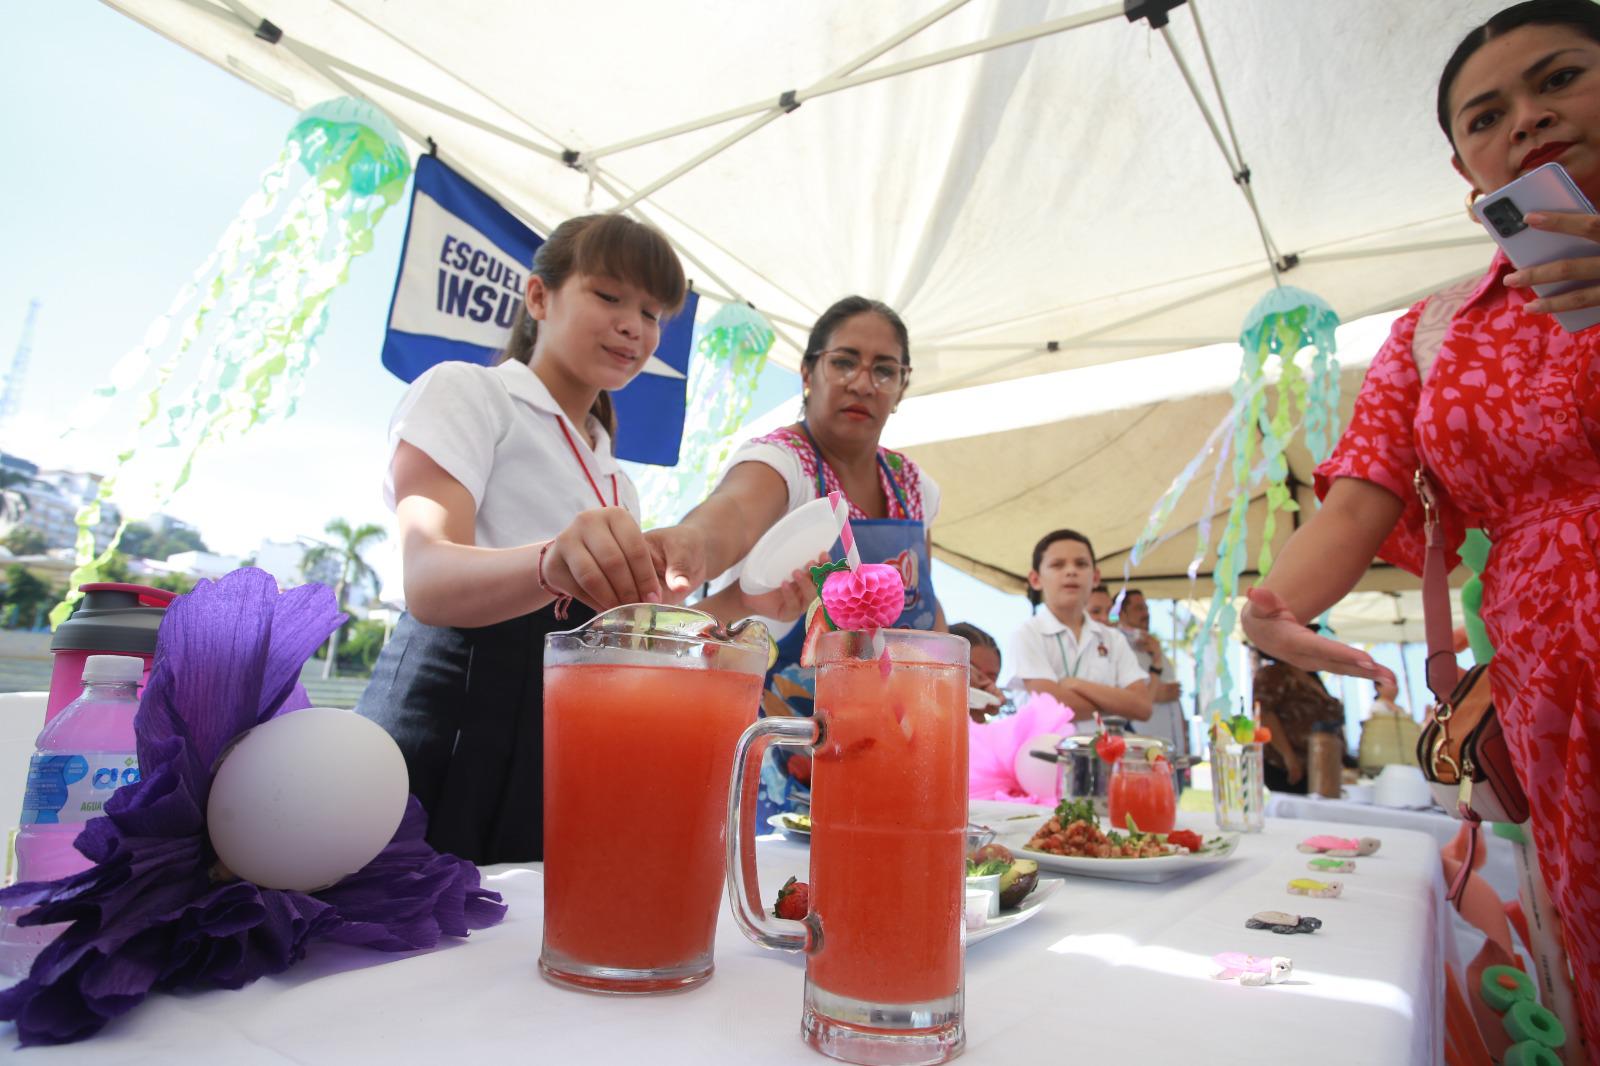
1141,789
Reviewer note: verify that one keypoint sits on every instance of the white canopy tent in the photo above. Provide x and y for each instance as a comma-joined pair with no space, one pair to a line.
1040,186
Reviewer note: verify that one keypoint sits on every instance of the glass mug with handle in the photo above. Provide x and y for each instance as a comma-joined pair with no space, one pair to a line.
884,937
674,679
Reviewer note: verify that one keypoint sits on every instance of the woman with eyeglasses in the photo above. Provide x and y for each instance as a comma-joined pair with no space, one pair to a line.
855,370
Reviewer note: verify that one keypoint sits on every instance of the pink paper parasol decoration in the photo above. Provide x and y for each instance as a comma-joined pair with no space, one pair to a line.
994,746
864,597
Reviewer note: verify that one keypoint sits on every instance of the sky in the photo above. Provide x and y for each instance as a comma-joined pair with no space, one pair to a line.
127,158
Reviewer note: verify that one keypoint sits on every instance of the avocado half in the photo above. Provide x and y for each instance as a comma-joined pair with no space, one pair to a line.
1017,882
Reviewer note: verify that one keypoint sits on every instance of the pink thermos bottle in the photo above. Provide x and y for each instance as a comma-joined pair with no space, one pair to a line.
113,619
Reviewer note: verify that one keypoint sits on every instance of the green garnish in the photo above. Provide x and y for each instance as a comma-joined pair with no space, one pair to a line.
1078,810
819,576
987,868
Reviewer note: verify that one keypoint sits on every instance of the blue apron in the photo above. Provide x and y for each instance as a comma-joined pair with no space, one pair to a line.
900,542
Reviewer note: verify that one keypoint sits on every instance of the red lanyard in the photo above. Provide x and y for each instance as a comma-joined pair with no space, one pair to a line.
585,468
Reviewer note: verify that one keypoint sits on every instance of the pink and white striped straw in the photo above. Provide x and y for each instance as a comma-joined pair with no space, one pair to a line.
841,516
852,558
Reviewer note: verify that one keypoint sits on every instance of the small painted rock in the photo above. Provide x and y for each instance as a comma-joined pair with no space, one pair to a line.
1283,922
1331,866
1342,846
1305,886
869,598
1252,969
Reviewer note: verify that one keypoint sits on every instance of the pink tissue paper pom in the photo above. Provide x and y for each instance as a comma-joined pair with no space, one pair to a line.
993,746
869,598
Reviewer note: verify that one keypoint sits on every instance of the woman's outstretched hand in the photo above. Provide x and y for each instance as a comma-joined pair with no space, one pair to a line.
1274,629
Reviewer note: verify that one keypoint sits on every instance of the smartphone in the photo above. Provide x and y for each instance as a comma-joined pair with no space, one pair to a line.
1546,188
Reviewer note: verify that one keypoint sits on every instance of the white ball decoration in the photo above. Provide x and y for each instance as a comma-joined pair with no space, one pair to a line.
1037,777
306,799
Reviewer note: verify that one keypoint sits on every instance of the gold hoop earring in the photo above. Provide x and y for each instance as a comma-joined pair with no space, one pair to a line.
1472,198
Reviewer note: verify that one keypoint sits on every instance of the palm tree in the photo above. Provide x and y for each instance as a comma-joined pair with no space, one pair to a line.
345,553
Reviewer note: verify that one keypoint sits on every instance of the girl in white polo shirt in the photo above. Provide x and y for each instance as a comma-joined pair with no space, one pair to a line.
510,504
1086,665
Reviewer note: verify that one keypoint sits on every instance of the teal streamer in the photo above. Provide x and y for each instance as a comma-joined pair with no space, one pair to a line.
261,300
730,352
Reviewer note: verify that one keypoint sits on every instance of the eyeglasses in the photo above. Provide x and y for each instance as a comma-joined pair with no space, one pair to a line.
841,365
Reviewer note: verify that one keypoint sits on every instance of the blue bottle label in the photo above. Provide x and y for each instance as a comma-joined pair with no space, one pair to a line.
64,789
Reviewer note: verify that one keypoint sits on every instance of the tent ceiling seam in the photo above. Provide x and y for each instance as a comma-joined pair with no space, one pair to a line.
1108,327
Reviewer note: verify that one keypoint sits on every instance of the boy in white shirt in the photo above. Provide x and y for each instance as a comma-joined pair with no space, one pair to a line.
1086,665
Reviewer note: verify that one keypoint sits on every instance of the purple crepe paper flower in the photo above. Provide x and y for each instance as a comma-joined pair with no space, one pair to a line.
149,915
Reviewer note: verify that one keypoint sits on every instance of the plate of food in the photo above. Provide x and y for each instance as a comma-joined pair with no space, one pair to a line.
1071,841
793,826
1002,890
1031,904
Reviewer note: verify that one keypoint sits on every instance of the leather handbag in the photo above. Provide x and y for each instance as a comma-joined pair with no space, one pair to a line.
1462,750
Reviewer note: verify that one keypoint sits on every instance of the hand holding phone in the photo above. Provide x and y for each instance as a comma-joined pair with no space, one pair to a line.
1559,257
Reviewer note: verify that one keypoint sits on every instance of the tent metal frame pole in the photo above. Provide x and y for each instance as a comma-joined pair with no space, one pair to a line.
769,104
323,63
307,55
616,183
790,101
452,75
1241,173
785,104
637,210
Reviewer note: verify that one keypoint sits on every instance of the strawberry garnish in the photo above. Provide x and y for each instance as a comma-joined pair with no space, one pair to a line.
1110,747
794,900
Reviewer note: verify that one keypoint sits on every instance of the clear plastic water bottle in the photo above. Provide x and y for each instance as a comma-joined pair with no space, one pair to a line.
82,755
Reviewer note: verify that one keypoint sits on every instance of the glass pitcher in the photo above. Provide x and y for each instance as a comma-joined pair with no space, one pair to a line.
883,938
642,709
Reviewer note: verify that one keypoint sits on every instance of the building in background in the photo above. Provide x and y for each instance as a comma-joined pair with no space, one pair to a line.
48,501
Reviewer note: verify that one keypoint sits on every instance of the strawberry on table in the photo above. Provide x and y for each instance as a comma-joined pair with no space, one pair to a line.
794,900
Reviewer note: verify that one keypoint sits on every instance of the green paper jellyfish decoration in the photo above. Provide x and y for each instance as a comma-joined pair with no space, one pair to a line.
729,355
249,319
1283,323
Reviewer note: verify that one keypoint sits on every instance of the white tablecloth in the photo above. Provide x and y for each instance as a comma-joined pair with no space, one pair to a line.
1106,972
1499,862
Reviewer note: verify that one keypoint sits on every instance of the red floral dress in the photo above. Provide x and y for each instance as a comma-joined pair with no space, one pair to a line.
1509,427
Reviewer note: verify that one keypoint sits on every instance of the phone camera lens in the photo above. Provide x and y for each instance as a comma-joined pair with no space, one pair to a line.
1504,216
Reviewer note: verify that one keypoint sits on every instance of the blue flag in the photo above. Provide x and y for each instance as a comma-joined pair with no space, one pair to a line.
463,272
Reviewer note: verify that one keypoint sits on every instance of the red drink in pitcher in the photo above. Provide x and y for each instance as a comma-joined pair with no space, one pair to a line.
883,937
640,725
888,826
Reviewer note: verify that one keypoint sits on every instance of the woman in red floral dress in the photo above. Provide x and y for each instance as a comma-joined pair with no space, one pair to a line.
1508,426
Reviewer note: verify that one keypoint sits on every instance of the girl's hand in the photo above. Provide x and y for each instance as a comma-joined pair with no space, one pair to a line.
1583,268
1273,628
603,560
